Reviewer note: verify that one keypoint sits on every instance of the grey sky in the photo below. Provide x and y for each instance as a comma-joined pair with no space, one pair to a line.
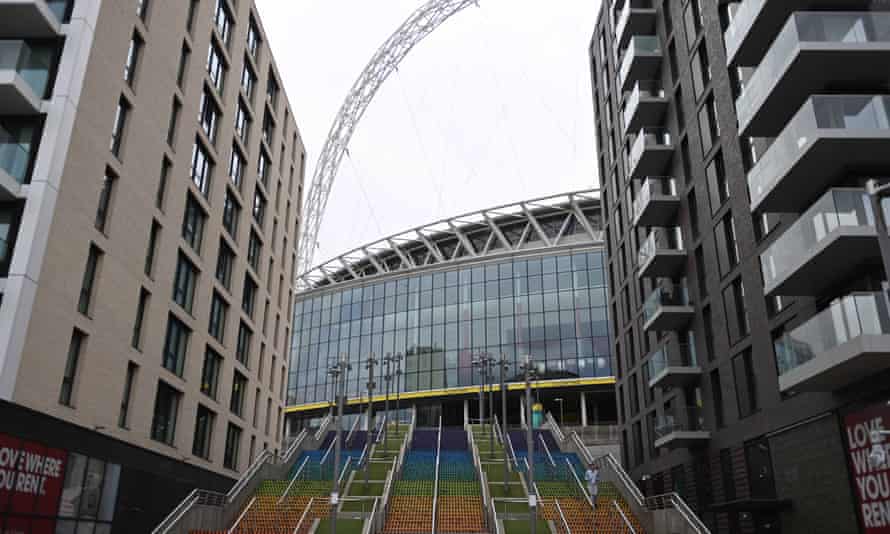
492,108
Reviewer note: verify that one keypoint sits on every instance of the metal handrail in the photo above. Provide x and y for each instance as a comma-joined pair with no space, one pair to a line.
352,430
512,451
362,459
582,449
623,477
436,482
387,486
294,446
303,516
240,517
673,500
343,472
369,525
293,480
580,486
177,512
486,498
251,471
554,426
323,427
562,516
624,517
327,453
498,433
546,449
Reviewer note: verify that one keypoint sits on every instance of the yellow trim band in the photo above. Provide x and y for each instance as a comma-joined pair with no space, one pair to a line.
465,390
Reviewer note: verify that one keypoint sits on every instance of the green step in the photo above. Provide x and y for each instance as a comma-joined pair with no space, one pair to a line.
514,491
522,527
358,488
344,526
495,473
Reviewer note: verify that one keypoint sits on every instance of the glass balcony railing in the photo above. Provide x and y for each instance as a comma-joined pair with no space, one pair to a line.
661,296
647,138
15,154
642,89
686,419
653,185
855,315
672,355
835,209
624,16
32,63
741,22
864,113
809,27
639,44
660,239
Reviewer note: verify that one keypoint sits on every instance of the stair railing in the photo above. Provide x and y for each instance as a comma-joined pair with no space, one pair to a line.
673,500
251,471
562,517
352,430
294,446
343,473
608,462
546,449
387,487
323,427
327,453
379,437
582,449
498,435
586,495
554,427
370,526
624,517
512,451
293,480
436,483
243,513
178,512
303,515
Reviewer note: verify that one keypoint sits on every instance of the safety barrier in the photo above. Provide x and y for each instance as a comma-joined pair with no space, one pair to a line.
554,427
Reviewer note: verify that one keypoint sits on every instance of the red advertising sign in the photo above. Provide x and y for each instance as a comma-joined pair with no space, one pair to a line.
31,477
870,465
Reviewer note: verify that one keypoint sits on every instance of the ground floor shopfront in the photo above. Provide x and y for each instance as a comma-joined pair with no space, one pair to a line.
58,478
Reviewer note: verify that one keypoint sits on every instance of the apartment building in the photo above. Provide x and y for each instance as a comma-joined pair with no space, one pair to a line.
151,172
750,330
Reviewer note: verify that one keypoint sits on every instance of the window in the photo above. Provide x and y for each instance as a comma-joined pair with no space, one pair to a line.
124,415
254,251
132,58
701,70
268,414
272,89
175,345
268,134
209,116
708,126
717,394
236,167
263,164
153,236
215,67
231,213
144,296
256,407
190,20
184,57
745,383
174,120
239,388
248,80
210,373
120,123
259,206
185,282
242,350
692,21
142,9
701,272
225,262
233,443
68,378
193,223
692,201
253,39
248,299
202,167
94,257
204,421
718,187
736,313
219,309
708,321
223,22
242,123
727,246
105,200
163,424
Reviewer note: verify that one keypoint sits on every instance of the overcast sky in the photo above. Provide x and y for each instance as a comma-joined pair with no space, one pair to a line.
494,107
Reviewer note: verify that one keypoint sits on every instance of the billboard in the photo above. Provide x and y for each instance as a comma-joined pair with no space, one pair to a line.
869,461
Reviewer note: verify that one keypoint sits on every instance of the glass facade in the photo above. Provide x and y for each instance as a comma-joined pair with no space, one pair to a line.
550,306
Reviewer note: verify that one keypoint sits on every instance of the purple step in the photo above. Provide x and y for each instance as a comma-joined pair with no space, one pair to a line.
359,438
518,438
425,439
454,439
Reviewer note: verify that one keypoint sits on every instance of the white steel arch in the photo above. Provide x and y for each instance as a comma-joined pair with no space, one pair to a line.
387,58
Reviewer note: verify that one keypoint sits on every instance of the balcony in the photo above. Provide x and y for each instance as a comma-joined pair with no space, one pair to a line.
645,105
684,430
657,202
662,254
650,153
757,22
674,365
803,161
667,308
15,158
815,52
641,60
833,237
32,18
24,76
637,17
846,342
10,215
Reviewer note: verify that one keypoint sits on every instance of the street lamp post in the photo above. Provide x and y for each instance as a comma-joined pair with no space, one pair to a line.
561,412
530,371
489,375
388,377
398,359
371,385
480,363
338,373
502,365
